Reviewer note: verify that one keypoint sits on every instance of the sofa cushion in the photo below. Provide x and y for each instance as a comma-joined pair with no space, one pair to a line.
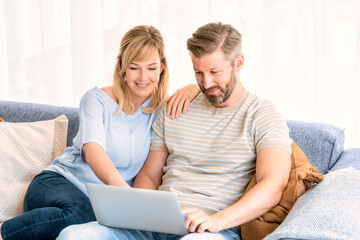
322,143
302,176
329,210
25,150
349,158
12,111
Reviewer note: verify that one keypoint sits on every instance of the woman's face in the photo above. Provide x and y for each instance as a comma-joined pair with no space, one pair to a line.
143,77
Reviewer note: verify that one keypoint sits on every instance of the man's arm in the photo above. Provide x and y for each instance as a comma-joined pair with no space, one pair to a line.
151,173
272,174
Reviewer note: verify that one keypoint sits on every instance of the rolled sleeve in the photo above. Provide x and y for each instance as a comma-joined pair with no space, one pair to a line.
270,129
158,133
92,115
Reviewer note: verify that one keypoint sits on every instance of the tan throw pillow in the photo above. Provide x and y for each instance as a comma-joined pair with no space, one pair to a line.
302,176
25,150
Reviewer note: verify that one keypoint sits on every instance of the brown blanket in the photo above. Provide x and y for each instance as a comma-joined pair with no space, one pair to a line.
302,176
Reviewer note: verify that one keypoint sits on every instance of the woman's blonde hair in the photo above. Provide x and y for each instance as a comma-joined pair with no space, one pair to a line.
139,44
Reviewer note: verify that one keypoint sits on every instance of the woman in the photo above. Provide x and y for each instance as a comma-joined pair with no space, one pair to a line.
112,143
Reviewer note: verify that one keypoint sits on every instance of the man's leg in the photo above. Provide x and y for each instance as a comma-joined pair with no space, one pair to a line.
93,231
51,204
228,234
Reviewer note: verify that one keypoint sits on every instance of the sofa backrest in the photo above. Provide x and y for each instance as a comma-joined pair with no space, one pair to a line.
12,111
322,143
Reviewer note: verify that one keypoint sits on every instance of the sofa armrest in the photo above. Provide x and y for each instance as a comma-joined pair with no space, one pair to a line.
349,158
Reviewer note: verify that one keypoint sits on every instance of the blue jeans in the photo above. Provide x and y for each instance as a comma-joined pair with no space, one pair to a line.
93,230
51,204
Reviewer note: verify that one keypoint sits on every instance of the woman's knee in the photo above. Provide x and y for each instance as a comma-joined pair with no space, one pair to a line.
77,212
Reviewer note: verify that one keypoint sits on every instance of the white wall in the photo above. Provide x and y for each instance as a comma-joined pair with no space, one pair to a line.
303,55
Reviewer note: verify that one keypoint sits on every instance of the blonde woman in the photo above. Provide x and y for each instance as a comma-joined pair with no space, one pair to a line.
112,143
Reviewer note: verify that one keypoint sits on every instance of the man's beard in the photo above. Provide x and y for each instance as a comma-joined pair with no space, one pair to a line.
225,93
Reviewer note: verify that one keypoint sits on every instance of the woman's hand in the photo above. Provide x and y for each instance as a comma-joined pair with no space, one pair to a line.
181,99
197,221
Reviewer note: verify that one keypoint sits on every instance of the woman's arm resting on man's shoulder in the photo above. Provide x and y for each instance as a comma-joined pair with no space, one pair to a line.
102,165
151,173
181,99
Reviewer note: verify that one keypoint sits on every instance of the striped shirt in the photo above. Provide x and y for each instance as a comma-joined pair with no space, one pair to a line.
212,151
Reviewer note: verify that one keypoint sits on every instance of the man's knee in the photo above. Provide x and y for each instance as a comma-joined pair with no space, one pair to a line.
90,230
205,236
198,236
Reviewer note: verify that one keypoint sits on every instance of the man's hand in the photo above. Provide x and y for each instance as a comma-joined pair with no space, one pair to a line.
198,221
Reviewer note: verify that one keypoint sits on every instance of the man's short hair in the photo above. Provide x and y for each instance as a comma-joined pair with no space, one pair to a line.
212,36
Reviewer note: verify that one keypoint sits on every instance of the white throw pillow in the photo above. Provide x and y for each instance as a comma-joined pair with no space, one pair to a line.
25,150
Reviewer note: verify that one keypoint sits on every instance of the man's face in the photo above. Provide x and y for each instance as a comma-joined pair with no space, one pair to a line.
216,76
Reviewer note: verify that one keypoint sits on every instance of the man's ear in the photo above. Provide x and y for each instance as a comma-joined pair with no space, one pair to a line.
239,62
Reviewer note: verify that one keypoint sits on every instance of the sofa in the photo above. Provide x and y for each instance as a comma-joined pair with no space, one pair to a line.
312,217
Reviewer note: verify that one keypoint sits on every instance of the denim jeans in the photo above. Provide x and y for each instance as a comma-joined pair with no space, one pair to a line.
93,230
51,204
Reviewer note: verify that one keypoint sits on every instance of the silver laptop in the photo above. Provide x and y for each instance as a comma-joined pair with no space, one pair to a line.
135,208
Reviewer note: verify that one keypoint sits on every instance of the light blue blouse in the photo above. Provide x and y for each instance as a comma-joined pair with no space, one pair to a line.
125,139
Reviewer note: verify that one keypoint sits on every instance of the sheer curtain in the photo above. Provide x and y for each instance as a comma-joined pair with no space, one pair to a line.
304,55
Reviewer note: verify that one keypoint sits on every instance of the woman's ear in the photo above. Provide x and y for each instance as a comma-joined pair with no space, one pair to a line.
161,68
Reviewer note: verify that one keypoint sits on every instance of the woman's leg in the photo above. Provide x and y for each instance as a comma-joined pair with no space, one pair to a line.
51,204
0,232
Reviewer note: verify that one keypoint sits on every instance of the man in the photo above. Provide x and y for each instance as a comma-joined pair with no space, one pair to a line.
209,155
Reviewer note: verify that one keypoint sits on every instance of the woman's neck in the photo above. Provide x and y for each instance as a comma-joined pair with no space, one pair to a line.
137,101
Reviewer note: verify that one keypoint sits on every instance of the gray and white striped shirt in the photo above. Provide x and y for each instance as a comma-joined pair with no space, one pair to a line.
212,151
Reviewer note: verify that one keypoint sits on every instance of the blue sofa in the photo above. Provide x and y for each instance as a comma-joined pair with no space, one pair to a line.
322,143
